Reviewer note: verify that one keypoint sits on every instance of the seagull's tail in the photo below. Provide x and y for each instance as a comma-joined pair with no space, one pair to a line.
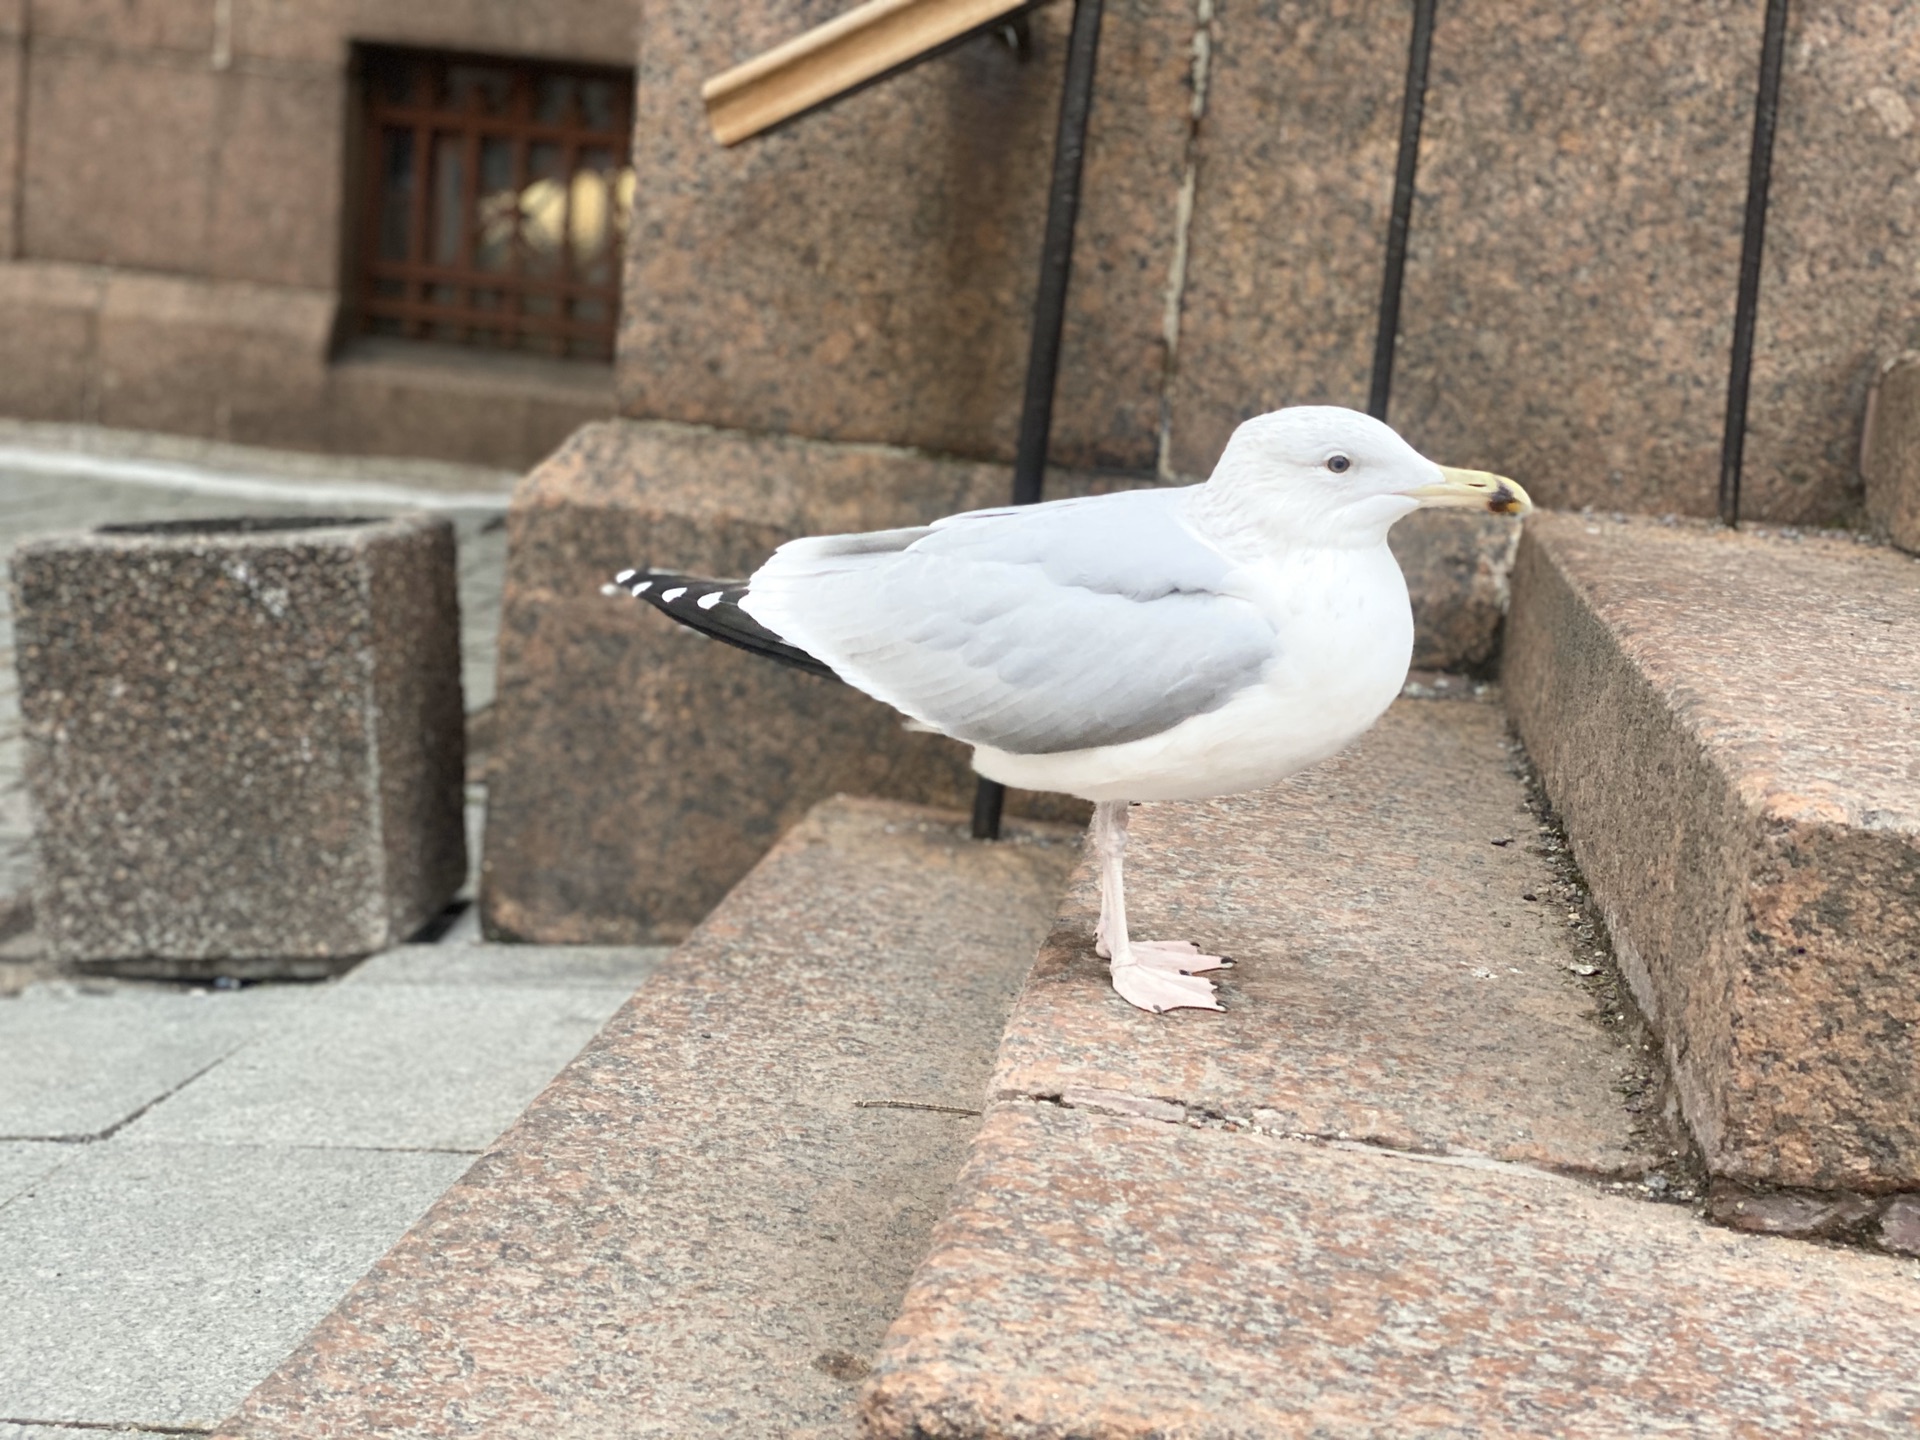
713,608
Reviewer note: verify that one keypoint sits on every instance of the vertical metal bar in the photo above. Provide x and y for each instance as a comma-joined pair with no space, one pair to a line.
1050,308
569,167
470,201
1753,236
417,210
373,149
1413,106
520,108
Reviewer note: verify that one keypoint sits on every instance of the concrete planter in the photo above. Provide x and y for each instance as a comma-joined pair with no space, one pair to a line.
244,741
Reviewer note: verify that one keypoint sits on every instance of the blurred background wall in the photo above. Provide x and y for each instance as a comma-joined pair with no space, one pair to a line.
188,205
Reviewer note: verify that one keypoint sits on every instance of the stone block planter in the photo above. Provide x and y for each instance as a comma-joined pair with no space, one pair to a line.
244,741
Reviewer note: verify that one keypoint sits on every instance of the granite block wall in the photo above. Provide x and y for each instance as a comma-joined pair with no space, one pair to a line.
867,273
1293,180
1841,290
864,273
1890,451
1576,244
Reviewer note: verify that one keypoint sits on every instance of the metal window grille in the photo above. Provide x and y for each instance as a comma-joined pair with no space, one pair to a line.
496,197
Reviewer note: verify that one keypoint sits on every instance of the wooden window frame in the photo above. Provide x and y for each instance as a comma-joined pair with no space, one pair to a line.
532,298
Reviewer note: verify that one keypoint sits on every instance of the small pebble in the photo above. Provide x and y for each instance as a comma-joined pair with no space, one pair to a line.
1503,840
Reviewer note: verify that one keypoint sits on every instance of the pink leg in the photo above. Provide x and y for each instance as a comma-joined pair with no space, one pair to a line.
1154,975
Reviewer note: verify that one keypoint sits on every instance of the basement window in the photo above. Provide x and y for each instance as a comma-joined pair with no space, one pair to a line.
495,197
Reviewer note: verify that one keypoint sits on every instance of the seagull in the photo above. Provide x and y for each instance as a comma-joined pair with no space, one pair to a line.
1152,644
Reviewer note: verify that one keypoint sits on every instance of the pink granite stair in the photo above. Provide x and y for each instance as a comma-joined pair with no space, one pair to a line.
704,1225
1730,725
1410,1182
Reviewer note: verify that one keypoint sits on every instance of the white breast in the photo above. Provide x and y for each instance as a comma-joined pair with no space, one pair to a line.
1344,637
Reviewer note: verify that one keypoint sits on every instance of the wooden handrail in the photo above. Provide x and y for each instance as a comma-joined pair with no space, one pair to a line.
845,53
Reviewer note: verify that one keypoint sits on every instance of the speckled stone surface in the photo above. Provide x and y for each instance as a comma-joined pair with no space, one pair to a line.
1575,247
703,1227
637,776
1890,451
1457,564
244,748
1119,1277
1730,726
1841,288
642,769
1394,983
867,272
1292,186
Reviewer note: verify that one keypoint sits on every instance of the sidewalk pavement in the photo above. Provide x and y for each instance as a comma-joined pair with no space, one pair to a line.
190,1177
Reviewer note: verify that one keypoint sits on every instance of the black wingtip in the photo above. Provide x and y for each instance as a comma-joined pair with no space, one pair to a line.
713,608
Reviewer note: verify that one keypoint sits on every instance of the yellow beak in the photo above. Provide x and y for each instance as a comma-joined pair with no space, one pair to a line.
1473,489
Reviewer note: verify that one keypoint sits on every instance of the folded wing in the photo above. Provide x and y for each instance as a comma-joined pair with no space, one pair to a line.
1052,627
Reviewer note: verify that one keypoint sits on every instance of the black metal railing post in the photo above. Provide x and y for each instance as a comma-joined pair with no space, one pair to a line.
1050,309
1746,310
1413,105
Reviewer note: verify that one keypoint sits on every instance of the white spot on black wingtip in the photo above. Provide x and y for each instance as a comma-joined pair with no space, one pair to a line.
624,576
642,588
667,597
710,599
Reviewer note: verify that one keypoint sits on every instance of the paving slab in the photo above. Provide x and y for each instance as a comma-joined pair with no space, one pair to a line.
1730,726
704,1225
1116,1276
539,966
465,1057
79,1060
1406,973
22,1162
154,1284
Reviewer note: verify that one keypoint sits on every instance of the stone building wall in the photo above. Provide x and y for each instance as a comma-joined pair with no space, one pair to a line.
172,234
865,274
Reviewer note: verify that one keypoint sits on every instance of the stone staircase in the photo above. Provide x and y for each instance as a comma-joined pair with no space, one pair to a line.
1447,1165
705,1224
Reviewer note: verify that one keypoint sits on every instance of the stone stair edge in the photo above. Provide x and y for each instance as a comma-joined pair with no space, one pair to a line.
525,1196
1716,717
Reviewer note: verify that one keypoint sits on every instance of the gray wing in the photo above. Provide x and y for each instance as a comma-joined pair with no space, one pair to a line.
1051,627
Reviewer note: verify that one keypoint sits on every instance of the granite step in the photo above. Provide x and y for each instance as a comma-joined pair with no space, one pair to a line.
705,1223
1416,1179
1730,726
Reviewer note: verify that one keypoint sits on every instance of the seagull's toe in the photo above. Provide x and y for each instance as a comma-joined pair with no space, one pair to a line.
1177,957
1158,990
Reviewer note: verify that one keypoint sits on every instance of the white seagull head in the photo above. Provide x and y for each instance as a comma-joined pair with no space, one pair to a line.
1324,475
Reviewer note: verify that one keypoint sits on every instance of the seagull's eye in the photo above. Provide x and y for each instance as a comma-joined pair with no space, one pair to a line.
1339,464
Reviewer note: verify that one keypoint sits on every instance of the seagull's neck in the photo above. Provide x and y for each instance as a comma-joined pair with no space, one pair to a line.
1243,522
